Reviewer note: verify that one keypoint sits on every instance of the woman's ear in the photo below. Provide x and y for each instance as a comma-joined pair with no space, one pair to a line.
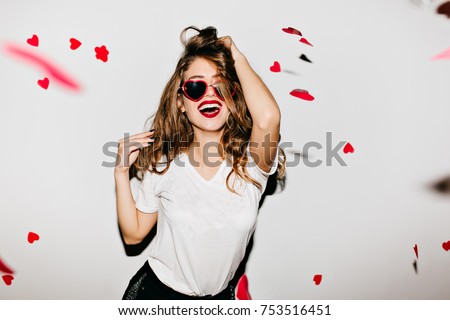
180,104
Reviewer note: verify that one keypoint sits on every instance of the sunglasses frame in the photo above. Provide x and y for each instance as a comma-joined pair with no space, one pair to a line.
216,92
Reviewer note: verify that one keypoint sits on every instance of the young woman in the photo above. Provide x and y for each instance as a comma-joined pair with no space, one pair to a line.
204,167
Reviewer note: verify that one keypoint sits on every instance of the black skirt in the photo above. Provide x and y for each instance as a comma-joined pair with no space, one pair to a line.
145,285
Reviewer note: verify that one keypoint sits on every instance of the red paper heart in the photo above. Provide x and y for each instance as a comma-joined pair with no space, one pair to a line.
292,31
58,75
7,278
74,44
4,268
302,94
303,40
416,251
446,246
34,40
44,83
317,279
101,53
32,237
242,292
348,148
276,67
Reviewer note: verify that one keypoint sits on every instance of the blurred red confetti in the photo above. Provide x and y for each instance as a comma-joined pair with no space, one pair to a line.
50,69
33,41
8,279
416,250
276,67
446,246
4,268
74,44
317,279
242,292
32,237
443,55
302,94
348,148
101,53
292,31
303,40
43,83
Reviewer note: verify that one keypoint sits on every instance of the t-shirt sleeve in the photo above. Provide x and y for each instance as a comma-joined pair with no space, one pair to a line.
256,172
146,200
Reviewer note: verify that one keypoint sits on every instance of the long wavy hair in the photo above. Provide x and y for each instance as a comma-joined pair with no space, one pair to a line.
174,133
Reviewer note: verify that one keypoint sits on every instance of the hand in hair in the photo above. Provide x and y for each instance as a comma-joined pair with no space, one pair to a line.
229,43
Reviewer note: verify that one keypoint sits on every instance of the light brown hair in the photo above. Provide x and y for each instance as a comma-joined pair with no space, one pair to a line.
172,130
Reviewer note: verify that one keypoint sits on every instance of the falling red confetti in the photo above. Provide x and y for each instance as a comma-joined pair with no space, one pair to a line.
303,40
446,246
7,278
443,55
292,31
50,69
317,279
74,44
32,237
101,53
33,41
43,83
348,148
4,268
276,67
302,94
416,251
242,292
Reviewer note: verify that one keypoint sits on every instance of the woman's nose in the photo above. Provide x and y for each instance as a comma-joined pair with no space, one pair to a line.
210,90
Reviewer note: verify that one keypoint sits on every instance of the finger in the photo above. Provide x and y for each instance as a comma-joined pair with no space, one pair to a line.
137,136
138,144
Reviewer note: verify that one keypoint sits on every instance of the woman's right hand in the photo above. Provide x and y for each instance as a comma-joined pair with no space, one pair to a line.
128,150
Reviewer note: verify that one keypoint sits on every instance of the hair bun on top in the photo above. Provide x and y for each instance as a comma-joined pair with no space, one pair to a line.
204,42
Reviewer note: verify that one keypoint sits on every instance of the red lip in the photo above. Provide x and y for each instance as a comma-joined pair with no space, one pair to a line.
209,102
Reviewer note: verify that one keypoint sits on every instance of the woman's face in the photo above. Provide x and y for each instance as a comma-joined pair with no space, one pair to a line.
210,112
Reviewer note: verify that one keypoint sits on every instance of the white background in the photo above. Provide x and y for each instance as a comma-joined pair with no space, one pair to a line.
375,86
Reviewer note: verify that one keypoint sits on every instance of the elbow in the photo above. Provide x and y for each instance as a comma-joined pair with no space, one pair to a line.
271,121
131,240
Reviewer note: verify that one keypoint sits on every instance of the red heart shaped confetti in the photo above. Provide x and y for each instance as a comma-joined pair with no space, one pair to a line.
4,268
101,53
416,251
74,44
292,31
44,83
242,292
57,74
317,279
348,148
276,67
302,94
303,40
7,278
32,237
33,41
446,246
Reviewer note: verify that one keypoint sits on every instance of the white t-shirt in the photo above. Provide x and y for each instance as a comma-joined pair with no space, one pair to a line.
203,228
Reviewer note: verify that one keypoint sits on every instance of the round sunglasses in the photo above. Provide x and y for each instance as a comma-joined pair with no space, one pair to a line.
195,90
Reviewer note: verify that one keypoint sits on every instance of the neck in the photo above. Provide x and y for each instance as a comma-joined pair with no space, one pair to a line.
206,146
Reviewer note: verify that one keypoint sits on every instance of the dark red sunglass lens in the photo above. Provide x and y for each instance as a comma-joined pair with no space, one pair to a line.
195,89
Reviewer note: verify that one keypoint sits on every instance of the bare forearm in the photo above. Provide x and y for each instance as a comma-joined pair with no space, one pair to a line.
260,101
126,207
